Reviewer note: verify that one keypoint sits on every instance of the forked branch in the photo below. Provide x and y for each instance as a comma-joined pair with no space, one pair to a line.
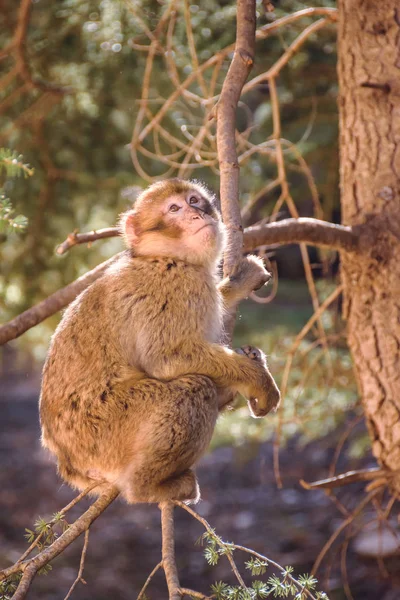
288,231
31,566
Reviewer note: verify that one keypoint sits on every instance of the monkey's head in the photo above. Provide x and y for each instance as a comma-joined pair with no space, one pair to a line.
178,219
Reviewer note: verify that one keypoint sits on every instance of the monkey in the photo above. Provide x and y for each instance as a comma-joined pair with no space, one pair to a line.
136,372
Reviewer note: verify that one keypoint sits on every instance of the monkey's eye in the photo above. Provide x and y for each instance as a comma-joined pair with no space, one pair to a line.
193,200
174,208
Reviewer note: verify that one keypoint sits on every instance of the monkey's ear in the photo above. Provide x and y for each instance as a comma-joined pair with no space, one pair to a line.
129,227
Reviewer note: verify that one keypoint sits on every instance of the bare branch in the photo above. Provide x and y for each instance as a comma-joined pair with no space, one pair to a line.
286,56
33,565
168,550
38,313
193,594
86,238
35,543
81,566
266,30
150,577
288,231
309,231
222,544
345,479
19,46
360,507
226,125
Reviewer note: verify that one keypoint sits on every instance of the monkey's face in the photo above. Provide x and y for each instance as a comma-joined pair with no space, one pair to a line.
184,225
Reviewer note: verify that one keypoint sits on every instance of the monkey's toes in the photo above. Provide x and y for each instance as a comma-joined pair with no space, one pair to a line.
260,275
252,353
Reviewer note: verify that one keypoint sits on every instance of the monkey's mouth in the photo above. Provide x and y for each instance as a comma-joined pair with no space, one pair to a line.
206,225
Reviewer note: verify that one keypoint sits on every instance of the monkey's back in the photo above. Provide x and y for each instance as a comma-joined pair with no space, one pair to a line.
139,311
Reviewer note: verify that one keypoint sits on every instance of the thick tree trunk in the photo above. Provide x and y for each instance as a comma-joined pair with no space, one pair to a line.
369,78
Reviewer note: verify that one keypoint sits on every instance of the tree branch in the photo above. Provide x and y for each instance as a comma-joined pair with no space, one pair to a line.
31,566
19,46
81,566
148,580
302,230
86,238
235,79
52,304
288,231
345,479
168,550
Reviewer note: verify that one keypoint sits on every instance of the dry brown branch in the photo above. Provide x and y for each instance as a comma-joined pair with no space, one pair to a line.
302,230
261,557
30,567
51,305
345,479
168,550
288,231
310,231
285,377
365,501
286,56
226,126
18,47
342,440
252,202
61,514
318,11
86,238
148,580
81,566
193,594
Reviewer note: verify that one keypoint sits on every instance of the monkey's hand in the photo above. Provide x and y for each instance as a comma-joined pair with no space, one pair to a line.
268,397
250,274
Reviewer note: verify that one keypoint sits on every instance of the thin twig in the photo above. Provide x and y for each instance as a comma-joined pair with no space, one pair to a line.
365,501
51,305
150,577
86,238
61,514
81,565
193,594
345,479
285,377
263,558
33,565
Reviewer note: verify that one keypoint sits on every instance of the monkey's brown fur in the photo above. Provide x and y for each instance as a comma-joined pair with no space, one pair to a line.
136,373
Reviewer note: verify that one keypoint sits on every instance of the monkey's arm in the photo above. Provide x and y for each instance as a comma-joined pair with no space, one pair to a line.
225,367
249,275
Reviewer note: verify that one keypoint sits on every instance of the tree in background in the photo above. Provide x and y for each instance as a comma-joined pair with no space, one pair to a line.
178,56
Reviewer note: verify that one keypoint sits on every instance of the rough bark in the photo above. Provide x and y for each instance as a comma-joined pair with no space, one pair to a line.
369,103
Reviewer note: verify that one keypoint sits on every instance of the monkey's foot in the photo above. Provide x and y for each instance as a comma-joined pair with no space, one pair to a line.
252,271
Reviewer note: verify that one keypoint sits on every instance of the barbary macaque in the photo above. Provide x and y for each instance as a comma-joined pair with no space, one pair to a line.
136,372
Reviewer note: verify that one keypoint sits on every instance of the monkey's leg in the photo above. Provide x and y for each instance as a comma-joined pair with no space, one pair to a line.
182,487
226,368
172,425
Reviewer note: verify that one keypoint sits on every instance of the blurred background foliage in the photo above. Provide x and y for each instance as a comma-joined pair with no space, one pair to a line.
74,125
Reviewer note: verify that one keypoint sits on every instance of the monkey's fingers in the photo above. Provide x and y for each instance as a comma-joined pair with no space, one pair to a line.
252,353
